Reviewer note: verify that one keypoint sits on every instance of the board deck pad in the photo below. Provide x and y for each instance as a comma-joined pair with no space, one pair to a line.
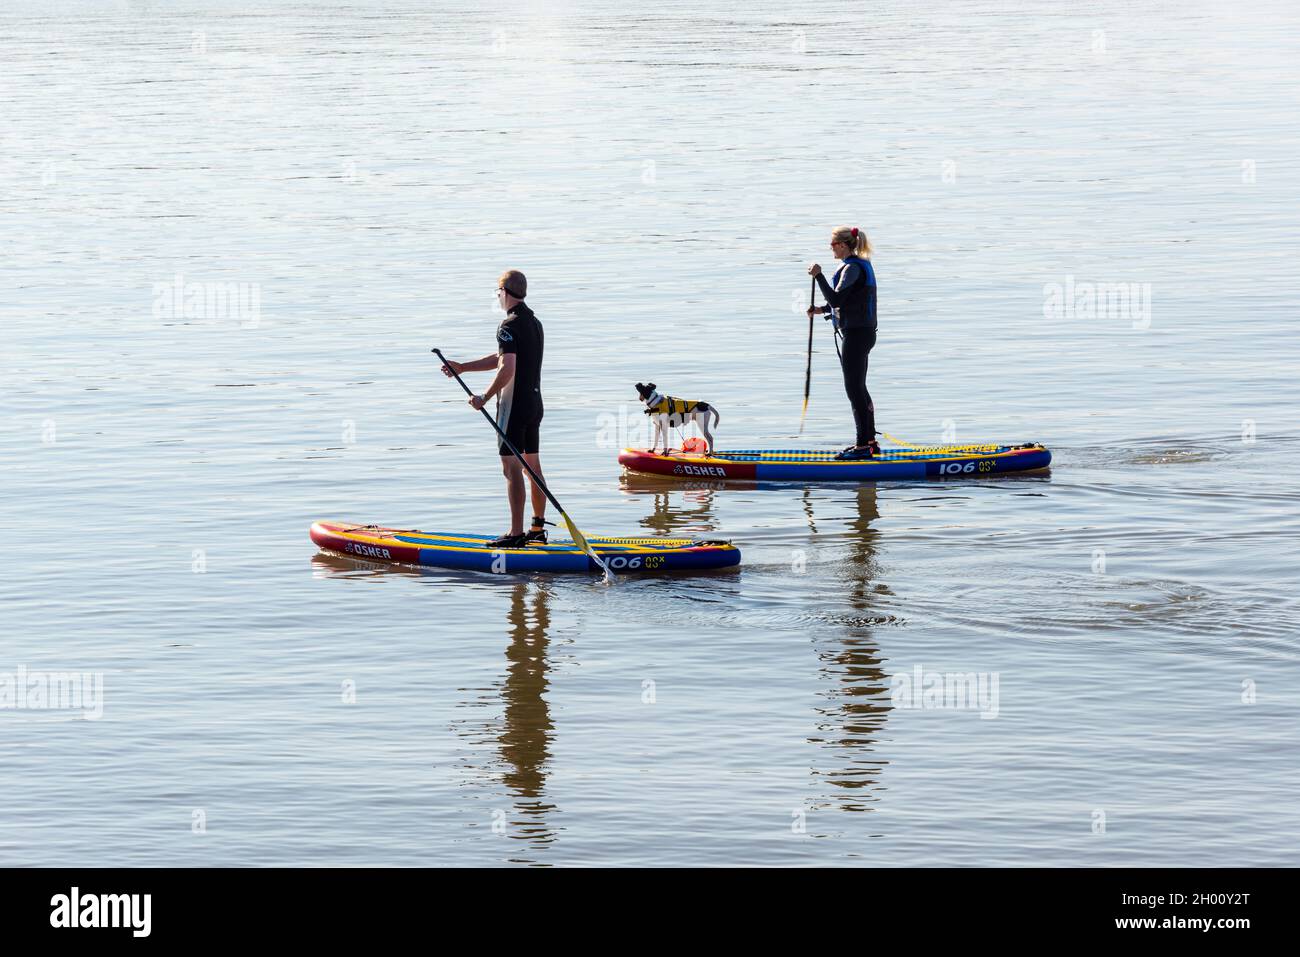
900,462
626,555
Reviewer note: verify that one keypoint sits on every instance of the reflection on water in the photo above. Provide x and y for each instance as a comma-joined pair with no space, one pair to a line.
326,564
692,514
526,724
856,688
806,501
522,734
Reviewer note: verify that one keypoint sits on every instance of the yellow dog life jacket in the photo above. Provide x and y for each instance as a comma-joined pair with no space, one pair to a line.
668,405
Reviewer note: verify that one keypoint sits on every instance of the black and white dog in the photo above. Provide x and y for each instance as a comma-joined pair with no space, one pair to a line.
667,412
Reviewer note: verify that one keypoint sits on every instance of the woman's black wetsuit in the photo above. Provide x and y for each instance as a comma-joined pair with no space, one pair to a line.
853,299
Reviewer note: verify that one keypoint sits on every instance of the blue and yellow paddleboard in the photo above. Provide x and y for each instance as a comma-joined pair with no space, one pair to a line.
453,550
820,465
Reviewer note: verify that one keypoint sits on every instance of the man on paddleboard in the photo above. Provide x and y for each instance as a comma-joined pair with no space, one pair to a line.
518,388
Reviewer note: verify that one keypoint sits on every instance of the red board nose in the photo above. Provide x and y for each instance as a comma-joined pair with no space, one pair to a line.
328,535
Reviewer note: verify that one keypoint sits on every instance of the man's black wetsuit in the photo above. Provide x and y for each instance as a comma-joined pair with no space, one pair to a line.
519,406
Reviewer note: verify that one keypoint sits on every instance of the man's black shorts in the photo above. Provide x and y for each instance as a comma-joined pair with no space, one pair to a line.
522,430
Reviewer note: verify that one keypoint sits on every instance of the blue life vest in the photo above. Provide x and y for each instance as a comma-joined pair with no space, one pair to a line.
858,310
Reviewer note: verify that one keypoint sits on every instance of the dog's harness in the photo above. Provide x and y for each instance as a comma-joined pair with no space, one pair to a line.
668,405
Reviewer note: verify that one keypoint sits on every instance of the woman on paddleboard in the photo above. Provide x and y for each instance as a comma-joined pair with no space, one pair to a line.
851,303
518,386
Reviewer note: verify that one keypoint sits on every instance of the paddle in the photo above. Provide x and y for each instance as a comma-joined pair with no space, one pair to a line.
578,538
807,375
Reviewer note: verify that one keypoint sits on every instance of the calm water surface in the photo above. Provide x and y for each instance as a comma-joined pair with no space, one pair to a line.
364,172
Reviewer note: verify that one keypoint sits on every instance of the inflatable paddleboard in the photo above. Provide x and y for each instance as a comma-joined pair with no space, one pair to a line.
820,465
455,550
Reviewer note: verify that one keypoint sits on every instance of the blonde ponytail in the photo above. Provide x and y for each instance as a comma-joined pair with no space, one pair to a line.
855,239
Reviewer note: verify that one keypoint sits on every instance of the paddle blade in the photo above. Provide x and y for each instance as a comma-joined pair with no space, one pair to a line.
807,375
580,540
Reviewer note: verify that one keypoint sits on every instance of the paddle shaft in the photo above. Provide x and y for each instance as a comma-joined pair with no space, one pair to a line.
510,445
807,376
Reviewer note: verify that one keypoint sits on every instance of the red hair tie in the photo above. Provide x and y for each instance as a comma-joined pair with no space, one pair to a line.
855,232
